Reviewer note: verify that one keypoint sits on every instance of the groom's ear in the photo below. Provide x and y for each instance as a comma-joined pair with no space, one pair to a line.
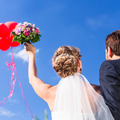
109,52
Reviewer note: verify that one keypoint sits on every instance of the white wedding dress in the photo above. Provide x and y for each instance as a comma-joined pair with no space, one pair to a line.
77,100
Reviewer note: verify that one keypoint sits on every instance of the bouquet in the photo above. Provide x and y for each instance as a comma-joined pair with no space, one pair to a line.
26,32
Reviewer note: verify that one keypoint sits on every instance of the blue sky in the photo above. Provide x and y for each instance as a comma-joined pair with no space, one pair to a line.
83,24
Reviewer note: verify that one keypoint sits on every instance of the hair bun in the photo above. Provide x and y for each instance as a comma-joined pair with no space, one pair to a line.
65,60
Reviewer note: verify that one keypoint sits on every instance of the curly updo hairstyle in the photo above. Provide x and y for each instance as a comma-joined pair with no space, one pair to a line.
65,60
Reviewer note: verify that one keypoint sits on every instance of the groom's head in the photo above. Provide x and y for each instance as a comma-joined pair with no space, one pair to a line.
113,45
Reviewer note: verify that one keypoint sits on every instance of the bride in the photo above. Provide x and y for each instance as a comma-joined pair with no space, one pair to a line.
73,98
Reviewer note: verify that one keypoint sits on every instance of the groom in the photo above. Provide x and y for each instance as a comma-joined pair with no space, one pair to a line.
110,74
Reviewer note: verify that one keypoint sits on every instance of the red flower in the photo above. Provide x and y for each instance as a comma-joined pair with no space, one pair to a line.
37,31
26,33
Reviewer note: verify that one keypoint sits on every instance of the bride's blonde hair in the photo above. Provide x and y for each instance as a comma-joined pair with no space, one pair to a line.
65,60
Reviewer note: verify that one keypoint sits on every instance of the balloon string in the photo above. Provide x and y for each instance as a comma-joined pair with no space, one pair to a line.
24,98
12,82
12,85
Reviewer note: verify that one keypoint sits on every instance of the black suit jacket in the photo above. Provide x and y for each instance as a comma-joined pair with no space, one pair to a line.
110,85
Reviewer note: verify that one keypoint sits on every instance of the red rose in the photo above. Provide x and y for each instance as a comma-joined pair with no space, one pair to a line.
26,33
37,31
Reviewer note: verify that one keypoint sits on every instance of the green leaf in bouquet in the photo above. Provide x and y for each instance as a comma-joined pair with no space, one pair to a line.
23,36
33,32
19,36
27,38
13,33
35,39
21,42
39,35
28,41
15,38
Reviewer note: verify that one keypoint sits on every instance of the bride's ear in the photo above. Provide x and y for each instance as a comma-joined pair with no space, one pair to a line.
79,69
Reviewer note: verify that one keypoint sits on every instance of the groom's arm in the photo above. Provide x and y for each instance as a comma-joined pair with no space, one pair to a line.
96,88
109,82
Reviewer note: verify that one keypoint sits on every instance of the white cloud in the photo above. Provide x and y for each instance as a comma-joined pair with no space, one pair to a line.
6,112
14,101
21,54
100,21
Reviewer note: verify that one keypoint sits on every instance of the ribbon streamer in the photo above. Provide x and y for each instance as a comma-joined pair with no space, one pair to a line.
14,75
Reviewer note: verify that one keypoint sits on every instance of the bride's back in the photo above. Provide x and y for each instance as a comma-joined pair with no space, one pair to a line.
74,98
65,63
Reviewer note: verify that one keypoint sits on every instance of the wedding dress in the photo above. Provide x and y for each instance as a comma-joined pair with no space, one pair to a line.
77,100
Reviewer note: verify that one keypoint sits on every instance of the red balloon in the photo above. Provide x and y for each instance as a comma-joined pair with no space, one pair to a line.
11,26
4,31
4,43
4,40
13,43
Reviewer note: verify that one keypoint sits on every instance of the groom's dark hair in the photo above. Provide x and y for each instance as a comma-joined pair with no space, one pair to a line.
113,41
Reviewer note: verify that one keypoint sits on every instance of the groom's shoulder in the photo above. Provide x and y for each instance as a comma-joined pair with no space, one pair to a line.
111,64
106,63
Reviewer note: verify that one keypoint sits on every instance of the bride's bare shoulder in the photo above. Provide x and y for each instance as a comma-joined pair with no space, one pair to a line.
53,89
51,98
52,93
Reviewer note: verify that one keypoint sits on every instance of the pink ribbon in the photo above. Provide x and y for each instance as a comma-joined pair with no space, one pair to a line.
12,85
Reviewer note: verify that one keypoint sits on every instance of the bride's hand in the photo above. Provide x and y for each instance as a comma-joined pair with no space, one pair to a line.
30,49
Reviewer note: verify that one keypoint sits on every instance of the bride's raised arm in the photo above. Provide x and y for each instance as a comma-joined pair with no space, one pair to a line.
42,89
